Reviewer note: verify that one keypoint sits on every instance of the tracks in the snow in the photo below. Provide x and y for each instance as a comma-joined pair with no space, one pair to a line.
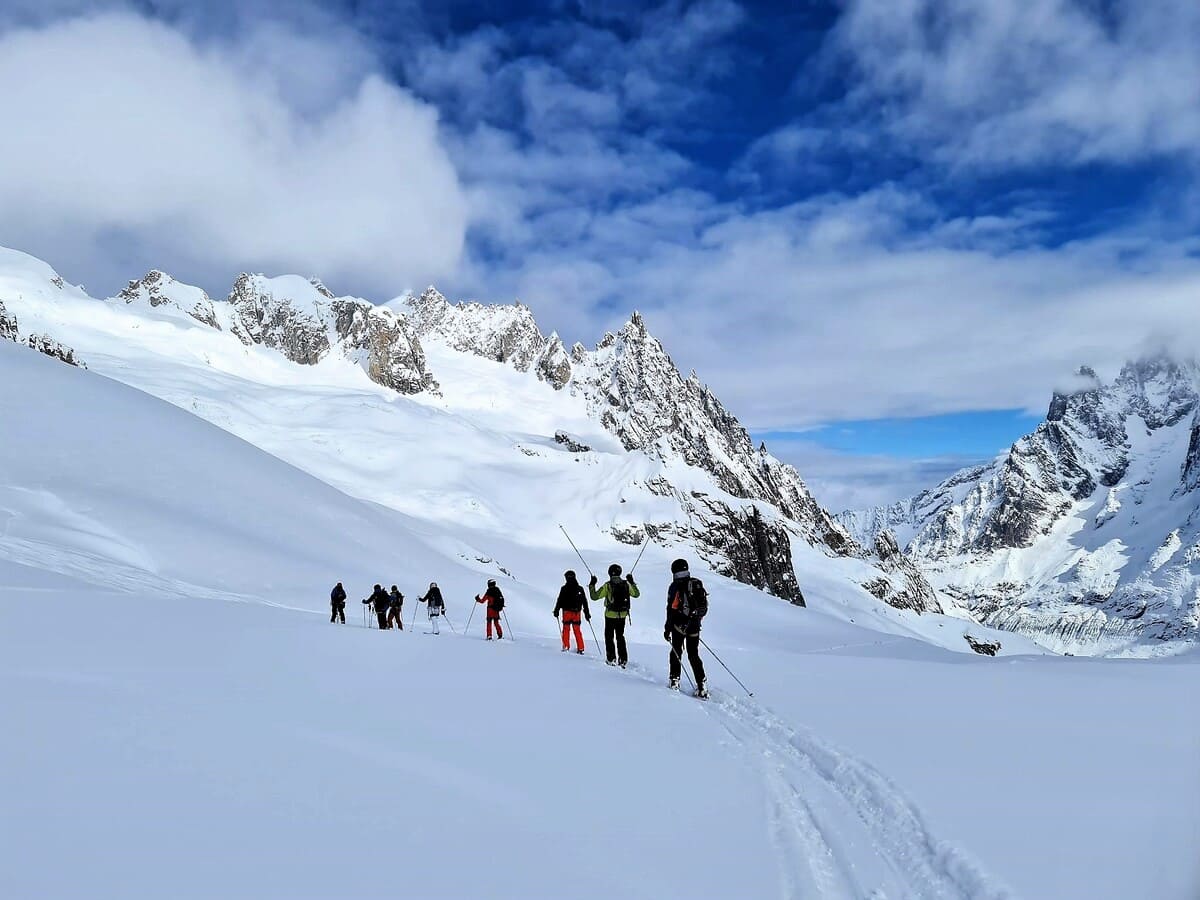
841,829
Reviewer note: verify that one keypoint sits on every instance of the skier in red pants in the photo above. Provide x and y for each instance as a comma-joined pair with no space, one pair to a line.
573,603
495,605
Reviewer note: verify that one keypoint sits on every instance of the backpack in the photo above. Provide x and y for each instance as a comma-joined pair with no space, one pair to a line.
497,600
618,597
693,599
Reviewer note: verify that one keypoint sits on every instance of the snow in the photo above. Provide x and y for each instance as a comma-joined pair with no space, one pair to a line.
191,725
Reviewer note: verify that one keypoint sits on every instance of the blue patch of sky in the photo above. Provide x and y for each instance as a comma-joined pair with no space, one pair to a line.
978,435
777,74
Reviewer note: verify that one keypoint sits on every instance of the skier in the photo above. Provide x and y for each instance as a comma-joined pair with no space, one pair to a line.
495,605
395,605
687,604
379,602
337,600
572,601
616,594
437,605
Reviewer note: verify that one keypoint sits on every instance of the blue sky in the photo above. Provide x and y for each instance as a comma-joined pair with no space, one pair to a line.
877,228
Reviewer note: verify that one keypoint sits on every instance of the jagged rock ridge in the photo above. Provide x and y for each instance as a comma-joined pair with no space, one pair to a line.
634,389
1086,533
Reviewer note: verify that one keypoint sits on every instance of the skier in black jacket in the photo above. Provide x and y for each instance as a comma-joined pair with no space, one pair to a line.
395,605
494,598
337,600
572,601
687,604
437,606
379,601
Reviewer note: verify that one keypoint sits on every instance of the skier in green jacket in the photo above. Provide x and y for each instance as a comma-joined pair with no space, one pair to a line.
616,594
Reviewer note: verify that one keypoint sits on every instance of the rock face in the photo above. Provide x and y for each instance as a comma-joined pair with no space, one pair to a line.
1086,534
502,333
8,325
47,345
304,321
160,289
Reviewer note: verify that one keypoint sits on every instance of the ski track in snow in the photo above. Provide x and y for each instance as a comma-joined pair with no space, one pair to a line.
824,804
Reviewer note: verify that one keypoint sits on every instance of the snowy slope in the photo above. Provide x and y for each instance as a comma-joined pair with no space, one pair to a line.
158,729
172,742
1086,534
386,407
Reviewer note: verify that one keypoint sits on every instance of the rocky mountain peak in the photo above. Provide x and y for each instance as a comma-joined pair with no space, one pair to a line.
506,333
305,321
1159,389
157,288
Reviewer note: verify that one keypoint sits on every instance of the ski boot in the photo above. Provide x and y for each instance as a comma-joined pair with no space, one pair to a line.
673,684
623,664
580,652
702,690
610,662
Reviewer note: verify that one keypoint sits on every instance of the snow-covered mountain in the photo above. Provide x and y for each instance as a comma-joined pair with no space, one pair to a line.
678,467
1086,533
179,702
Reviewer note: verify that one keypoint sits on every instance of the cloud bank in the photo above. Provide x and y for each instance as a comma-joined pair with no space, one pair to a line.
129,140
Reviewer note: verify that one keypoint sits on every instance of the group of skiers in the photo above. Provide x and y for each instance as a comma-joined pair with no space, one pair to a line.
388,605
687,604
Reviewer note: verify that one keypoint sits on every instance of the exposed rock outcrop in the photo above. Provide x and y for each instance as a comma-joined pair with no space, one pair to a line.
159,289
304,321
8,325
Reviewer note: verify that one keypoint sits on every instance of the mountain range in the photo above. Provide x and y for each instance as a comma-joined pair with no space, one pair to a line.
1083,536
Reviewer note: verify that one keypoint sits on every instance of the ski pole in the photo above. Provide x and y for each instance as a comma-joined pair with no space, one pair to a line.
577,553
467,630
645,544
726,668
453,630
595,640
512,635
679,660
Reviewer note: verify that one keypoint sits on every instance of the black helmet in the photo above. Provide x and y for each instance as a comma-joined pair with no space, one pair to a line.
569,575
491,582
379,587
680,565
433,584
614,571
394,588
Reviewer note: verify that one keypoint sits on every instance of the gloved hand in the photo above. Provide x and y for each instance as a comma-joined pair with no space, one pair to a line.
588,617
667,634
556,614
629,578
593,581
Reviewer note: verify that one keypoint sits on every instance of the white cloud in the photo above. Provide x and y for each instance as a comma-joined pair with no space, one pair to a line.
995,83
266,150
837,309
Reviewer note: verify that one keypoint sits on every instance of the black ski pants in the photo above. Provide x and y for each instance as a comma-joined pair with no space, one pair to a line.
614,640
339,611
383,623
693,651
